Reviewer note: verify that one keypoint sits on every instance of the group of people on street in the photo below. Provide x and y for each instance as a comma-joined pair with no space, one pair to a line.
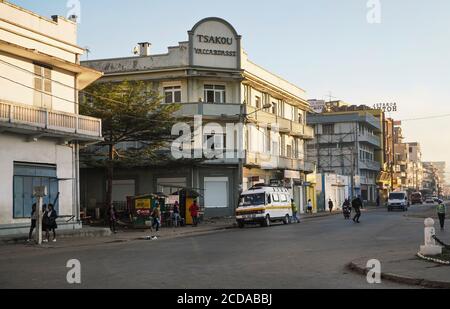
49,216
347,208
155,216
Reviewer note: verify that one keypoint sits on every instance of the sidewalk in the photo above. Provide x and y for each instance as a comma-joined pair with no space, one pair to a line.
101,235
406,268
61,234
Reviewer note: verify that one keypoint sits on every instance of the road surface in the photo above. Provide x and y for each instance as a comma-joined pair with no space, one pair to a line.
312,254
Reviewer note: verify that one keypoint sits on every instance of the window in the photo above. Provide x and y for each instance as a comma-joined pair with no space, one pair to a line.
300,118
289,151
215,94
172,94
283,197
275,197
27,176
215,141
328,129
274,108
42,86
258,102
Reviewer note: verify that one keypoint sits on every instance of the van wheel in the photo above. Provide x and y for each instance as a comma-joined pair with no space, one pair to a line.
287,219
241,224
266,222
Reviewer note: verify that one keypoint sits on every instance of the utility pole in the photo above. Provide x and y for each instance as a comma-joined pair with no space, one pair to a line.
39,193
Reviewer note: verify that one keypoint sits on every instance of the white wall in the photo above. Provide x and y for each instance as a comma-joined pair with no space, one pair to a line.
16,148
21,91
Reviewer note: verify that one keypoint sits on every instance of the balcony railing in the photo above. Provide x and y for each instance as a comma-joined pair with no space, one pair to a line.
374,140
233,110
370,165
268,161
59,122
284,125
209,109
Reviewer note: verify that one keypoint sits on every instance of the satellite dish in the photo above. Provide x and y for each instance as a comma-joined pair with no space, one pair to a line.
136,50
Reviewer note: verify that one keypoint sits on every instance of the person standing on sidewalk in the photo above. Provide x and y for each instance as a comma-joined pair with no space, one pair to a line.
112,218
294,212
176,213
194,212
309,207
156,215
51,222
441,213
33,221
330,205
356,205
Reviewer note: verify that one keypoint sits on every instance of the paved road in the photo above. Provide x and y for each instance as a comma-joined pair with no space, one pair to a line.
312,254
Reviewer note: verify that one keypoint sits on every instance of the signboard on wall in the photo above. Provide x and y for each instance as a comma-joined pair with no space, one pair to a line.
214,43
386,107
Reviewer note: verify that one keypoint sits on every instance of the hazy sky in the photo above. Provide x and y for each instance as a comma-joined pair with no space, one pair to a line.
320,45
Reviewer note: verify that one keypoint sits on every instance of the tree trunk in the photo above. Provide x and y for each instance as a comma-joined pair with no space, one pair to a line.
109,181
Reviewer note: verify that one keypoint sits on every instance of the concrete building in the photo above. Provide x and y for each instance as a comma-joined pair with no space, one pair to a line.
210,75
430,182
346,144
40,128
434,177
415,168
401,159
336,188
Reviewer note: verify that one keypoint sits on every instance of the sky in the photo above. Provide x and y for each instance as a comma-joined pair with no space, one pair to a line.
323,46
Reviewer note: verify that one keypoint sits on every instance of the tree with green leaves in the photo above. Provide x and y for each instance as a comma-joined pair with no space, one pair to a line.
136,125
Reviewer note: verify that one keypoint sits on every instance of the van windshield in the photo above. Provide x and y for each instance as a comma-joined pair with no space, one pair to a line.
253,199
397,196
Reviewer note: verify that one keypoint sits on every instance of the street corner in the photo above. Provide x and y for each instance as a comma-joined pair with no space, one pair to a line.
407,269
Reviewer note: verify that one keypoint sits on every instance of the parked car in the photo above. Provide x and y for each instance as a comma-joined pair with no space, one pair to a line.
398,200
416,198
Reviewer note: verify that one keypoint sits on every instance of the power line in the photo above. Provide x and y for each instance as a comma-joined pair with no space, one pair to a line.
427,117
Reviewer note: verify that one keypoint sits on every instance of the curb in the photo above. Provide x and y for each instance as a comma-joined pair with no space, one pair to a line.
102,232
402,279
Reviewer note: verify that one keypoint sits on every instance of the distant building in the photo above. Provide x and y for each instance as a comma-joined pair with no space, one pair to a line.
435,175
346,143
41,129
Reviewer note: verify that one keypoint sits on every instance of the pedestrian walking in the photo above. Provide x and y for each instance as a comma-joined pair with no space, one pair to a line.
194,213
156,216
294,212
51,225
346,209
309,207
112,215
330,205
34,216
378,200
441,213
176,213
356,205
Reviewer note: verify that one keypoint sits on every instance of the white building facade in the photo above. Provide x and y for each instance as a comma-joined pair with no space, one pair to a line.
211,76
40,128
